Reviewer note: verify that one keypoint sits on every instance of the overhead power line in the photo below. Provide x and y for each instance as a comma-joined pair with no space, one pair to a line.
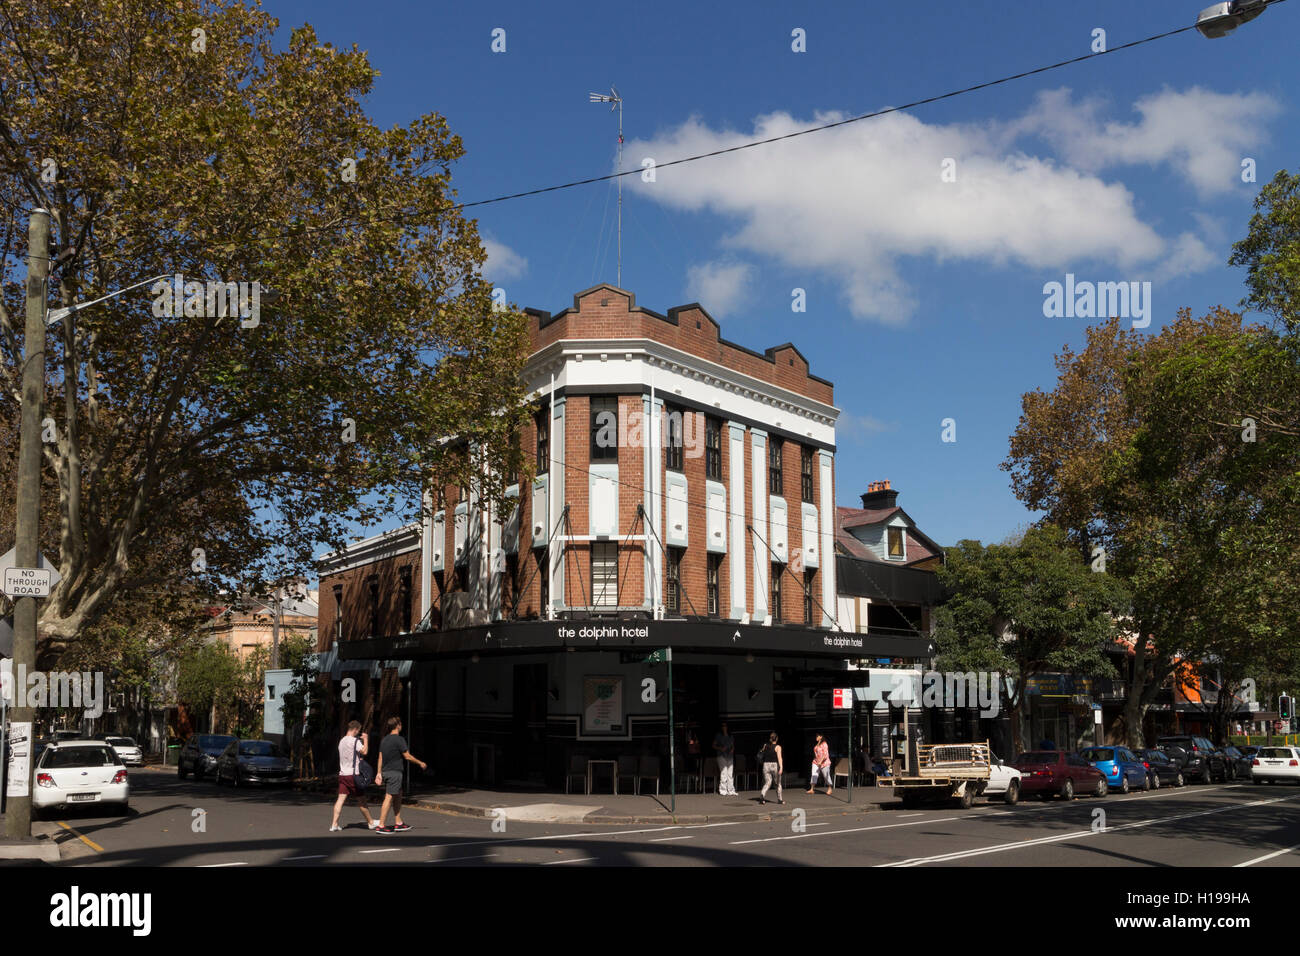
844,122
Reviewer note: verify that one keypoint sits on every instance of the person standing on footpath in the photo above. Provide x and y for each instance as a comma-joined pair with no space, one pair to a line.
724,745
773,767
821,765
392,752
352,748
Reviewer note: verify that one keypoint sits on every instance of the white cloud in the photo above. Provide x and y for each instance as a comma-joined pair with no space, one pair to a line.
1201,134
502,261
853,427
852,202
723,287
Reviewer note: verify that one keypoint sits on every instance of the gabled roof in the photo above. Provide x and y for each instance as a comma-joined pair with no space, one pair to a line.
920,547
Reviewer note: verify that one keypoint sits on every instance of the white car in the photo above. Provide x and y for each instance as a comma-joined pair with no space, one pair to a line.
1275,763
1004,780
75,772
127,749
1222,18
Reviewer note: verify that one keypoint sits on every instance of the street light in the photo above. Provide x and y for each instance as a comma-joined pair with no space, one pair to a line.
58,315
1222,18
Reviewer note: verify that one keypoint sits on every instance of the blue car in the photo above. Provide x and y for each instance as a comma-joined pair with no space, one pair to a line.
1123,769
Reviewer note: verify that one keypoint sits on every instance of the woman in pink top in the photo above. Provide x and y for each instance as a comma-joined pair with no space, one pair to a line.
822,765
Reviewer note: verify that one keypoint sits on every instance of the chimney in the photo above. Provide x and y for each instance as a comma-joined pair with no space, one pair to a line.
879,495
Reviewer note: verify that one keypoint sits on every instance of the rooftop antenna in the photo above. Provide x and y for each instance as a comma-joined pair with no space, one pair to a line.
616,102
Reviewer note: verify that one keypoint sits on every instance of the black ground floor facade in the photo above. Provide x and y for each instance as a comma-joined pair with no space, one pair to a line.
524,705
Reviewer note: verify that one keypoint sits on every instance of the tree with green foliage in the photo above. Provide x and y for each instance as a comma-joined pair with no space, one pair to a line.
1271,253
1026,609
209,440
1174,456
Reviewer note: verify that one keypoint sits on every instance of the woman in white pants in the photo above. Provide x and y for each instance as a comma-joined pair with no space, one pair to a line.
821,765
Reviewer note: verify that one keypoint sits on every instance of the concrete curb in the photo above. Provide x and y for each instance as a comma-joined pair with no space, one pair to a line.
39,849
681,819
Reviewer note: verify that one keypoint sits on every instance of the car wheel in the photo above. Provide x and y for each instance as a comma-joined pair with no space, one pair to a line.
1154,781
1179,781
1146,782
1067,790
180,771
1102,788
1123,787
1232,772
967,797
1012,794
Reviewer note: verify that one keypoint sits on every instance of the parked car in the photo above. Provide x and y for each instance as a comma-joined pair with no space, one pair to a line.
1049,772
1004,780
1121,766
1239,763
254,761
1162,769
1274,764
1199,758
127,749
200,753
80,771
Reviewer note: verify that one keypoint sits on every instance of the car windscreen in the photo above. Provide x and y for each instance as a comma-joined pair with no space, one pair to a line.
1094,754
1039,756
213,742
61,758
259,748
119,742
1275,752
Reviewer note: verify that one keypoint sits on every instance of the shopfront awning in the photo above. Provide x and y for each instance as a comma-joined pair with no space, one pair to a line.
685,635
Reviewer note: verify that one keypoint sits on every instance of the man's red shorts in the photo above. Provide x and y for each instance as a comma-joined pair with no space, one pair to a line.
348,785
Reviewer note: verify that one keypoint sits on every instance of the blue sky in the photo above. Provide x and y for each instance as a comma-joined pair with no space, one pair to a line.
924,298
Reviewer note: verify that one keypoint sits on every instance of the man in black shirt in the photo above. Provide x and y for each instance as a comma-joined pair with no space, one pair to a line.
391,754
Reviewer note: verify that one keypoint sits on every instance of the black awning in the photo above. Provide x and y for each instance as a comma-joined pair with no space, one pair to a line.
533,636
856,577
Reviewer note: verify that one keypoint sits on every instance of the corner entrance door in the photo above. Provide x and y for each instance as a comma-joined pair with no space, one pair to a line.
527,751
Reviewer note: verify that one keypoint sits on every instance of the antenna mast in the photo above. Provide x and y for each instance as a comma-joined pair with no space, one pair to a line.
616,103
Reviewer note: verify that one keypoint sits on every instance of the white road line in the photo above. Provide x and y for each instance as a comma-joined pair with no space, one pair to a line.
1073,835
568,836
318,856
670,839
387,849
585,859
452,859
1269,856
908,816
801,836
208,866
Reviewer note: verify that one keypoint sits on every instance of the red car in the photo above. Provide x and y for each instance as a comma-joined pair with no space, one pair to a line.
1049,772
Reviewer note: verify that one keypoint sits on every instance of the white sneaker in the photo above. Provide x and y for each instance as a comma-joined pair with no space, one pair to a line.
335,827
374,824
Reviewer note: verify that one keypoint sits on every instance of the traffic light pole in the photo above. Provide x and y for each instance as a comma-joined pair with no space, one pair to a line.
18,812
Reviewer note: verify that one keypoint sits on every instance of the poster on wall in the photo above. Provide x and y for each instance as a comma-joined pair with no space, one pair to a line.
602,705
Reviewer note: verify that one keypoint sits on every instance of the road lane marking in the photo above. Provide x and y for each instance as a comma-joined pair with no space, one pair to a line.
669,839
908,816
801,836
387,849
318,856
209,866
83,838
1269,856
1073,835
584,859
567,836
452,859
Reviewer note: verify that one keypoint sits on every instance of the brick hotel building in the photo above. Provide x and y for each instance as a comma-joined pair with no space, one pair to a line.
517,644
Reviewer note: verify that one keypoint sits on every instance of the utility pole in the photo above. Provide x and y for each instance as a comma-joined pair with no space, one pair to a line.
616,102
275,631
18,814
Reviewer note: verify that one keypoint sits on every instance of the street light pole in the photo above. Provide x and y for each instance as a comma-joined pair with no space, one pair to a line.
18,813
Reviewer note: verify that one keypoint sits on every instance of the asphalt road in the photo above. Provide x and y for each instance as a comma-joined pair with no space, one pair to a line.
195,823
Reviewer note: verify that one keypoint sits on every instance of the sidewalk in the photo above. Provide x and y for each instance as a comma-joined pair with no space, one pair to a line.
625,808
